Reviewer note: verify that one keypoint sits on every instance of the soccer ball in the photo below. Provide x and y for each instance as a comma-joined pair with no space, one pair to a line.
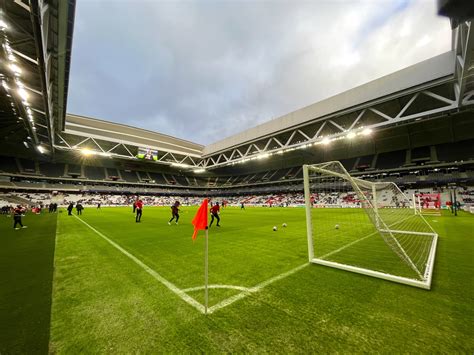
284,225
336,226
275,228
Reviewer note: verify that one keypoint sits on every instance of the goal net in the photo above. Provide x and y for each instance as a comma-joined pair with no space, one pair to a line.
366,227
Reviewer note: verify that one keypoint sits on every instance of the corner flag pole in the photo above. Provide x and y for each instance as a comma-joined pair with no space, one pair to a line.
206,264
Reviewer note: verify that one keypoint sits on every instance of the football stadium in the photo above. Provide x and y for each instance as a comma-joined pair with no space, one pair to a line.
345,226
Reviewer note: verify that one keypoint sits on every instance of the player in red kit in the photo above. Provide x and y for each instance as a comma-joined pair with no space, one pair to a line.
215,214
139,208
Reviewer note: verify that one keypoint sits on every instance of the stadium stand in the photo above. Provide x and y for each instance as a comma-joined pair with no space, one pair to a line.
8,165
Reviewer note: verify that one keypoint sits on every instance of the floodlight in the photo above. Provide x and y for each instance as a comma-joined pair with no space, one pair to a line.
262,156
180,165
3,25
15,68
105,154
40,149
326,141
23,94
87,152
199,170
366,131
351,135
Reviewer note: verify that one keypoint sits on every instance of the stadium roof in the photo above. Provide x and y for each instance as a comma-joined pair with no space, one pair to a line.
36,41
421,75
39,36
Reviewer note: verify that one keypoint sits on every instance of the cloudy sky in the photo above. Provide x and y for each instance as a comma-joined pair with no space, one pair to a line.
203,70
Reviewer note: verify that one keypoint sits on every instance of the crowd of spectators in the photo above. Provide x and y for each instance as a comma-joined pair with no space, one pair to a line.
284,199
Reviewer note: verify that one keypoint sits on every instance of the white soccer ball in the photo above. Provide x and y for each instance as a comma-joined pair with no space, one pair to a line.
284,225
275,228
336,226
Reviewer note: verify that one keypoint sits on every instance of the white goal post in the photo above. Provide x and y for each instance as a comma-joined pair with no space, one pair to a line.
374,230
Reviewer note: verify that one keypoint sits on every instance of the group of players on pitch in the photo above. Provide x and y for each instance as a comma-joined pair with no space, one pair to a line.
214,210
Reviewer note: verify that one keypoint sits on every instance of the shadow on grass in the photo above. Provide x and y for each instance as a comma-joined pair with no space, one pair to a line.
26,278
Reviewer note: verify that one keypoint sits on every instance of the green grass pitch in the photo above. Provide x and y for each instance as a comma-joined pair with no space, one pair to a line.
93,285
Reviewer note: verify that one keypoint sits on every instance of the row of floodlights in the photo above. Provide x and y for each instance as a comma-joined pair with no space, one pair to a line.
324,141
89,152
20,87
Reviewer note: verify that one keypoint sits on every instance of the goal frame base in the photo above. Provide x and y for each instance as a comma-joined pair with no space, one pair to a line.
380,275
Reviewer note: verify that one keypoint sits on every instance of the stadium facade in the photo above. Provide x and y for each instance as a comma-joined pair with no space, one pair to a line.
414,127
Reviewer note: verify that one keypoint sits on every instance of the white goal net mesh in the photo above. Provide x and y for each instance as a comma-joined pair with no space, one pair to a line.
366,227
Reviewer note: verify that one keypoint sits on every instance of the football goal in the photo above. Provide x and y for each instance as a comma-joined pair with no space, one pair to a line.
366,227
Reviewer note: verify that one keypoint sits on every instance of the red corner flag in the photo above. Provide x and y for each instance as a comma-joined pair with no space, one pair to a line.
200,219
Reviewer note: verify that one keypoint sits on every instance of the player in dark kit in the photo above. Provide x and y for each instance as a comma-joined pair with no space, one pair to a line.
17,214
138,208
69,209
174,213
79,208
215,214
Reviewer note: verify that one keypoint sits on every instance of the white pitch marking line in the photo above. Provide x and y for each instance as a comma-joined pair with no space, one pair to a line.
254,289
169,285
198,288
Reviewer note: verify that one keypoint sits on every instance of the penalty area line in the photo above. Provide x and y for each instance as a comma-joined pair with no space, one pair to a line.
173,288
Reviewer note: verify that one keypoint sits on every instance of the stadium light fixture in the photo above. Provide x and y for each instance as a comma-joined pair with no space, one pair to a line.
105,154
367,132
5,85
351,135
3,25
181,165
326,141
41,149
14,68
199,170
87,152
263,156
23,94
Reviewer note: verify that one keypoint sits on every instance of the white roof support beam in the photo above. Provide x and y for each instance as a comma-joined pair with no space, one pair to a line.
464,47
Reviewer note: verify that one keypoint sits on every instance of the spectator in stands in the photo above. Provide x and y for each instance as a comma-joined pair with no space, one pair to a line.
174,212
79,208
215,214
138,207
17,214
69,208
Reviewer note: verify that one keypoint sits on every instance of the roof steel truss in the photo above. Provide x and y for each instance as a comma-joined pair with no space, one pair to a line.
417,105
94,146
